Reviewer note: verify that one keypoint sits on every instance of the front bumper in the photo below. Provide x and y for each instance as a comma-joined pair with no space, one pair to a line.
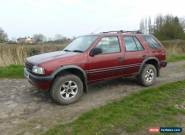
41,82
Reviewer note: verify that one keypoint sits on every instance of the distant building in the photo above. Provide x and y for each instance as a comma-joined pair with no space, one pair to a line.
25,40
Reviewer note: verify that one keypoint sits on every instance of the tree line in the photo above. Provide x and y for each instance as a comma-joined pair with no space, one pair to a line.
3,36
164,27
35,39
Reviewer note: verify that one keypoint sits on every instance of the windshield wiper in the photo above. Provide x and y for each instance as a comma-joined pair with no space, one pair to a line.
66,50
78,51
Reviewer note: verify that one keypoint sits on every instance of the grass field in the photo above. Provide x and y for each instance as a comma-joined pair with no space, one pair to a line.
175,58
12,71
152,107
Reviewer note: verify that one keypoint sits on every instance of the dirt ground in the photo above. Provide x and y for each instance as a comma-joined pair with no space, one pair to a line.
25,110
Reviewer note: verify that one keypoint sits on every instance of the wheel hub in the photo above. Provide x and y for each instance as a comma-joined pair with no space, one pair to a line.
69,89
149,76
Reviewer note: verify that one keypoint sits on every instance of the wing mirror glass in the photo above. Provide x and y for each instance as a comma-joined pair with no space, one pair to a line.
95,51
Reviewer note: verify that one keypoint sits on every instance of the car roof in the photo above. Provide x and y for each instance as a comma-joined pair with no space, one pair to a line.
116,33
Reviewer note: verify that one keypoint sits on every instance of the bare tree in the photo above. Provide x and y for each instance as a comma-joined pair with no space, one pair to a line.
158,21
182,22
150,27
142,26
146,25
39,38
3,36
59,37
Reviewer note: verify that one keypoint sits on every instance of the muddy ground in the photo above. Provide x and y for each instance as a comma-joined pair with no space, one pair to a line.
25,110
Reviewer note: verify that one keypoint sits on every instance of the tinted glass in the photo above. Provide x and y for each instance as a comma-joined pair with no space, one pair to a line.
130,44
109,45
151,42
138,44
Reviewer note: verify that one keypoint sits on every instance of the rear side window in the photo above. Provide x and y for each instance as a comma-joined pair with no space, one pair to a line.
151,42
132,44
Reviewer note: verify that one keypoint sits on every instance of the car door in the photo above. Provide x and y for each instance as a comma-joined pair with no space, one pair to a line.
108,63
135,53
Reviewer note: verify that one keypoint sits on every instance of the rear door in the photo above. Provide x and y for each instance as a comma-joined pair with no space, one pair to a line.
108,63
135,53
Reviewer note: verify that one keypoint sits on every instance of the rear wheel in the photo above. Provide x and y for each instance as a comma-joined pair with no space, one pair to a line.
67,89
147,75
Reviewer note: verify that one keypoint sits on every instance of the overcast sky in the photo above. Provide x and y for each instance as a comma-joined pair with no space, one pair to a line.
77,17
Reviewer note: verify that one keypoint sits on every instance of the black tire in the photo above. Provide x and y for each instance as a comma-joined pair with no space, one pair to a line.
60,85
147,79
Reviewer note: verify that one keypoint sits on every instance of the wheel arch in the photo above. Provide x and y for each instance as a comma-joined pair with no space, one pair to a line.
73,69
151,60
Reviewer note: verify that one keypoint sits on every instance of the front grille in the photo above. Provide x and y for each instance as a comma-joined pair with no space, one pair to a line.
29,66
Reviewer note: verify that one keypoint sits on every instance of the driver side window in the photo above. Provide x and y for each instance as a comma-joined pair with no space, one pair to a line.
109,45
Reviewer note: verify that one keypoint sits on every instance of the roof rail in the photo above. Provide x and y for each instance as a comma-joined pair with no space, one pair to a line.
122,31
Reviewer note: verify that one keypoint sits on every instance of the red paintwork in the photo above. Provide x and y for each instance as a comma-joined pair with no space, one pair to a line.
52,61
45,85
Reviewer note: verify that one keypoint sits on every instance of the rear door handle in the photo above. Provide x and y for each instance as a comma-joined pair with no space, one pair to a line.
144,56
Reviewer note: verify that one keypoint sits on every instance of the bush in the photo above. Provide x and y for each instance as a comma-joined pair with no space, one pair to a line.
168,28
33,51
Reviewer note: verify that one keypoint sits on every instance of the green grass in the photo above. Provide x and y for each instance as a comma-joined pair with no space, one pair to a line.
148,108
175,58
12,71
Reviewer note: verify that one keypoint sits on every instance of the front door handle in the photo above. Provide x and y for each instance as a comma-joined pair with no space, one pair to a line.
121,59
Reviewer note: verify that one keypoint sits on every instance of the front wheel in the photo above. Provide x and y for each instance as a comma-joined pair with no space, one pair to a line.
147,75
67,89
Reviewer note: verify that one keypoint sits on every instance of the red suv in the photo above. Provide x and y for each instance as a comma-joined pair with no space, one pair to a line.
91,58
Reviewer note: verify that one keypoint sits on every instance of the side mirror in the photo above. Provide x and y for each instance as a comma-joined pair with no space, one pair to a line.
95,51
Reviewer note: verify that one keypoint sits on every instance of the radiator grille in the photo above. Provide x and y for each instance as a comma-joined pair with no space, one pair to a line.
29,66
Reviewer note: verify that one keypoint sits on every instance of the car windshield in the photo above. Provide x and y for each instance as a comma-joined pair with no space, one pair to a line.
80,44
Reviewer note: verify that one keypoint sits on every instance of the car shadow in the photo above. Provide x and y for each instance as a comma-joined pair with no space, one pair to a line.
113,83
44,96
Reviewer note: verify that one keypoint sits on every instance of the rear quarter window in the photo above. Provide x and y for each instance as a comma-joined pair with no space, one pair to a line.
151,42
132,44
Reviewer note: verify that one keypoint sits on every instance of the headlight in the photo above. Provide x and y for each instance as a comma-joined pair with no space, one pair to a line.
38,70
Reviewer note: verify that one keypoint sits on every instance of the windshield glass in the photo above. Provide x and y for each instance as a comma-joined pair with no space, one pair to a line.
80,44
